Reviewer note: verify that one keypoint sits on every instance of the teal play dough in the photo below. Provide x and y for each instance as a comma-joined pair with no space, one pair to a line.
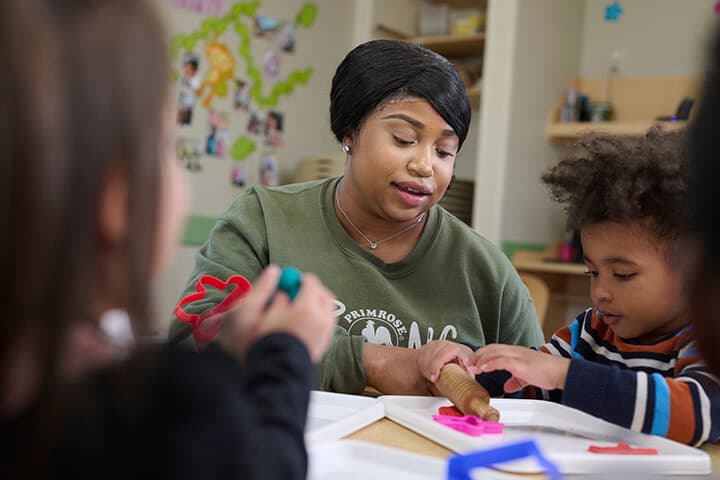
289,281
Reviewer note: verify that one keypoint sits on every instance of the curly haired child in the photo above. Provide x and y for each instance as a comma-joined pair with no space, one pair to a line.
631,358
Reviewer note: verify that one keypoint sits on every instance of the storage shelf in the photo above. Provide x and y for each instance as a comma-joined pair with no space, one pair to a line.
453,45
636,101
562,132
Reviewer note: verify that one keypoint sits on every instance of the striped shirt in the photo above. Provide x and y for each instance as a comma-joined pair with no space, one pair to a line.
662,388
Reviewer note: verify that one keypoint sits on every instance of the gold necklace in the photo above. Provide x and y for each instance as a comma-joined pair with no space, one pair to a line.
374,245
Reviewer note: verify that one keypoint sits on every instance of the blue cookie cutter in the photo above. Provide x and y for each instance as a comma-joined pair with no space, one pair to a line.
460,466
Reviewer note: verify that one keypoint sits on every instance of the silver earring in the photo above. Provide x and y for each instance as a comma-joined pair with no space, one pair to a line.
346,149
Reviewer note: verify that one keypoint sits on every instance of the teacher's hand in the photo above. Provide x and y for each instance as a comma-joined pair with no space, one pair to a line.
395,370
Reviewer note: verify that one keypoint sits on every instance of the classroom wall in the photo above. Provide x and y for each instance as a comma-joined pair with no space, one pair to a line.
306,129
654,37
532,49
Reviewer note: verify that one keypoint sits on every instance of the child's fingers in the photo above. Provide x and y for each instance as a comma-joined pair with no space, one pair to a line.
263,289
514,384
278,304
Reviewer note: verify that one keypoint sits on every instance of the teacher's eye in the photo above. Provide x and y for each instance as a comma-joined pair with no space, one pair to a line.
591,273
443,153
402,141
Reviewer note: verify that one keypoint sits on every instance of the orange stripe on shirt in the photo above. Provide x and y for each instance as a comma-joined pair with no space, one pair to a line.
682,414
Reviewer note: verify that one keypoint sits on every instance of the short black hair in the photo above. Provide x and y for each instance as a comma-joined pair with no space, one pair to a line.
621,179
705,158
378,71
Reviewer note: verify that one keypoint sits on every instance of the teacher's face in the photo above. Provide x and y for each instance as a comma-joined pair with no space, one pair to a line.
403,159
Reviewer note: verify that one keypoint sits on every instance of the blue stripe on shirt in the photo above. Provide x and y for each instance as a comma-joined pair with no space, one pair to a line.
661,412
574,338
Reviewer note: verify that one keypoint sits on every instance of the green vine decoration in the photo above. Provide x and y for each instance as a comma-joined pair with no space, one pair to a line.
217,26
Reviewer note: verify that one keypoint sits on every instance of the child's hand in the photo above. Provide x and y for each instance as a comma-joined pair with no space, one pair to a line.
527,366
433,355
310,317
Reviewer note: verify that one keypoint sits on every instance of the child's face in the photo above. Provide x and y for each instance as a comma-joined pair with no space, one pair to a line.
189,70
632,282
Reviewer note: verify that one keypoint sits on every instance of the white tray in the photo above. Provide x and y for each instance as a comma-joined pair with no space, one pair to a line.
354,460
334,415
562,433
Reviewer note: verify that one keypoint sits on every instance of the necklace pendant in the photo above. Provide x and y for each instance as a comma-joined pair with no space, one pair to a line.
373,245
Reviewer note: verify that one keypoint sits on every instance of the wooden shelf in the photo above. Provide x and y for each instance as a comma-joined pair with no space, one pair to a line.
636,102
453,45
563,132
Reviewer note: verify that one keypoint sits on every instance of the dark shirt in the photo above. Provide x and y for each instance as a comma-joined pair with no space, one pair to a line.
189,415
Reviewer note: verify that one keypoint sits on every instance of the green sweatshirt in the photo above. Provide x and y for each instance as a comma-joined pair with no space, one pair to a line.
453,285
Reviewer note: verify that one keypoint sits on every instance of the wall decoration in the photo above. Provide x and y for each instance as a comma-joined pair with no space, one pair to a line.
613,12
241,100
189,85
221,71
268,170
207,7
188,152
242,148
226,76
256,124
273,129
287,38
238,175
217,138
271,64
264,27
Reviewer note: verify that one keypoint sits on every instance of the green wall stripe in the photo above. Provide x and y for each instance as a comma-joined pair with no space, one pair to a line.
197,230
509,247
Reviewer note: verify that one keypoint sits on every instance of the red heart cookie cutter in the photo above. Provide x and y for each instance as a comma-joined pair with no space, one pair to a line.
242,288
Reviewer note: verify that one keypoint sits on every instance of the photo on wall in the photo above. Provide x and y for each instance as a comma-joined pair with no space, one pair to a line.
189,85
271,64
274,129
268,170
287,38
217,138
241,99
256,124
238,175
189,151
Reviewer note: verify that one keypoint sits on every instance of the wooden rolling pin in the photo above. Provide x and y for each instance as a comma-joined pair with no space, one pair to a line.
469,397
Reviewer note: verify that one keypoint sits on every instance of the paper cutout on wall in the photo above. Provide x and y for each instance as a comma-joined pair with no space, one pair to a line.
242,148
264,27
220,71
717,6
613,12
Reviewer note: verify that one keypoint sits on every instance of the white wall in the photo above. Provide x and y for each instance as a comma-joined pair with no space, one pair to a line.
307,125
654,37
532,49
